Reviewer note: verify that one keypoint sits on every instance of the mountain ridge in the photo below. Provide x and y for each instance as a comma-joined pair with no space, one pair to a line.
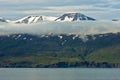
74,17
35,19
29,19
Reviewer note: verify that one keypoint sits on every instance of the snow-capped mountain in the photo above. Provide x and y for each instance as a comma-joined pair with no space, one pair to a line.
74,17
2,20
36,19
29,19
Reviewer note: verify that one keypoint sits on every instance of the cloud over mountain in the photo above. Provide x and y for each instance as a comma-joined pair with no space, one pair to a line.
83,27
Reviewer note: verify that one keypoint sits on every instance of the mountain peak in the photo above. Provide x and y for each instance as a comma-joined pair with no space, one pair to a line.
30,19
73,17
35,19
72,14
2,19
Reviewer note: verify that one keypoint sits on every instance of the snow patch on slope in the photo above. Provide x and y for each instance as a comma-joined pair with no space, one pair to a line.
29,19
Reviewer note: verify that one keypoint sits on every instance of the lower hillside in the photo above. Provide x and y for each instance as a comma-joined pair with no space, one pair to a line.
26,50
109,54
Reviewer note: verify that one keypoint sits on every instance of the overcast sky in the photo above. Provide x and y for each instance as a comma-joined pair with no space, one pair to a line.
99,9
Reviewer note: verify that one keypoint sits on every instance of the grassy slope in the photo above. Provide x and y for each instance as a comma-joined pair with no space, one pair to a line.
109,54
33,61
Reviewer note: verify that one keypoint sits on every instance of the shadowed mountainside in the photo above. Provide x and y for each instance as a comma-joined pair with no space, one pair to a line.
25,50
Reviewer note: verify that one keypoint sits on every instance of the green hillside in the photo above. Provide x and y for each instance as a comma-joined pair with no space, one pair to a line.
109,54
25,50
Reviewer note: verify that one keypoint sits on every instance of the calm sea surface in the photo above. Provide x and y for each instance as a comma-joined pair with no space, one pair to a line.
59,74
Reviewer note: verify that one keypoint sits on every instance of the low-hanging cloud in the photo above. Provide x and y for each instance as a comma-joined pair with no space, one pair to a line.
82,27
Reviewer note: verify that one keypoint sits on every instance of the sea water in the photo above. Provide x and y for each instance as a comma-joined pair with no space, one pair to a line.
59,74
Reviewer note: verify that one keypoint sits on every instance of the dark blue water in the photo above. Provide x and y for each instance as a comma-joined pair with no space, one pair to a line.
59,74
